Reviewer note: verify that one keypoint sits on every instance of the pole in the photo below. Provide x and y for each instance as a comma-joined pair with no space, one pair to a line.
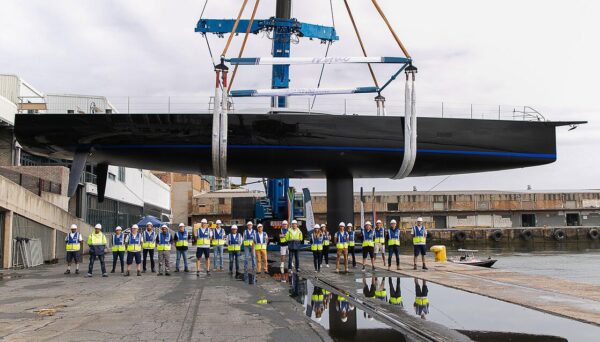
281,48
340,200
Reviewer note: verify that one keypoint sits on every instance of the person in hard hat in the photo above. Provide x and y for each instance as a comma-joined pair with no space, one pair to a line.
262,241
97,243
283,244
341,244
326,243
234,246
419,234
218,243
351,243
181,247
393,244
380,240
203,237
163,242
317,302
118,249
295,239
395,292
342,306
133,244
421,303
148,245
249,242
368,245
316,246
73,242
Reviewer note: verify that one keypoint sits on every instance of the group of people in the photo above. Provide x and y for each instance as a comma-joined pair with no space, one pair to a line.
141,246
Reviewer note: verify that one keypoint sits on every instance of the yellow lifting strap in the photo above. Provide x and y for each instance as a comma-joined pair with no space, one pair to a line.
390,28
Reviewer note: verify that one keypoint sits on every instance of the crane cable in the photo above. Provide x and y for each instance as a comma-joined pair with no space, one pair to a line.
362,46
235,68
326,54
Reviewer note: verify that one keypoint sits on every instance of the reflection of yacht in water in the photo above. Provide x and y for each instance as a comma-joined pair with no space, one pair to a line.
421,303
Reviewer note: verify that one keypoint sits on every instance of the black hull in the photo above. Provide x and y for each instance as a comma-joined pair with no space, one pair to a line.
484,263
290,145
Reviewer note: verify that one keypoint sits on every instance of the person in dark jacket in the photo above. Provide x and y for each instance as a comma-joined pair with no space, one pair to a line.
181,245
97,243
295,239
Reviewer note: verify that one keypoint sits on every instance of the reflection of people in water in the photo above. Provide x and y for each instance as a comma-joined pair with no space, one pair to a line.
421,301
395,292
342,306
326,298
369,292
380,290
317,302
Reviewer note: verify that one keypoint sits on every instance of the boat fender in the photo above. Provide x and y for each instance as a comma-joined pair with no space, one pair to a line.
460,236
594,234
526,235
496,235
559,235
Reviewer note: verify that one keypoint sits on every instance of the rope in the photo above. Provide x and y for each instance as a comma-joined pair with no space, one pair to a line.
362,46
326,54
244,43
203,9
390,28
237,21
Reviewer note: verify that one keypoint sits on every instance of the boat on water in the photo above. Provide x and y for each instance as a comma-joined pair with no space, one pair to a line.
468,258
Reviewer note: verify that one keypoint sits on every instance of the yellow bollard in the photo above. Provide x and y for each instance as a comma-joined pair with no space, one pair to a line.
439,252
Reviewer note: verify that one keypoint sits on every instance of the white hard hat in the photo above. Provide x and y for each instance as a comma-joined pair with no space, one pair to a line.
393,221
323,225
181,225
249,223
149,223
259,225
378,221
164,226
349,224
118,228
294,222
134,226
342,224
73,226
203,221
420,219
218,222
344,319
98,226
368,223
234,227
284,222
317,226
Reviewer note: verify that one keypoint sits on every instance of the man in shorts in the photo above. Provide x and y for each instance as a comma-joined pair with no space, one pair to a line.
283,245
203,236
368,245
133,241
419,234
73,242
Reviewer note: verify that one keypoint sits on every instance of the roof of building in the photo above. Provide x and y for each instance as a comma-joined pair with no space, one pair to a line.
468,192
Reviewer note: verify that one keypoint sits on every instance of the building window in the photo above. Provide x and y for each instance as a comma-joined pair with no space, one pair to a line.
121,174
528,220
392,207
573,220
111,176
221,201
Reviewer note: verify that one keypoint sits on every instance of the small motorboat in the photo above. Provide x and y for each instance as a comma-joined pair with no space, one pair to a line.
468,258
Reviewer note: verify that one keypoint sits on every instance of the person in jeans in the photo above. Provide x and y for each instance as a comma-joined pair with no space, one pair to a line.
295,239
249,251
316,246
181,246
218,242
118,249
148,246
234,246
97,243
351,243
393,244
326,243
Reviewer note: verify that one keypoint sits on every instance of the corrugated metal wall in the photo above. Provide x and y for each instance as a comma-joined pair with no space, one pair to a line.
79,103
9,87
26,228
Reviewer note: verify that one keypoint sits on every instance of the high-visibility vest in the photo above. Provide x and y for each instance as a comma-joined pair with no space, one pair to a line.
96,239
317,243
182,239
395,300
317,297
351,239
218,237
294,235
234,242
203,237
261,241
394,239
149,240
117,243
283,239
134,243
368,236
380,293
379,235
73,243
342,240
164,241
326,241
421,301
249,236
419,235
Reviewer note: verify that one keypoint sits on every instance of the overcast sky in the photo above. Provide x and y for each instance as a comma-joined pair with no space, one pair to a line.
512,53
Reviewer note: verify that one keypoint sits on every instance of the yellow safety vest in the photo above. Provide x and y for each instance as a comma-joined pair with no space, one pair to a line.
294,235
395,300
166,246
181,242
380,293
421,300
121,247
263,245
316,298
218,242
235,247
394,242
247,242
96,239
134,247
71,247
419,240
149,244
379,239
205,239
